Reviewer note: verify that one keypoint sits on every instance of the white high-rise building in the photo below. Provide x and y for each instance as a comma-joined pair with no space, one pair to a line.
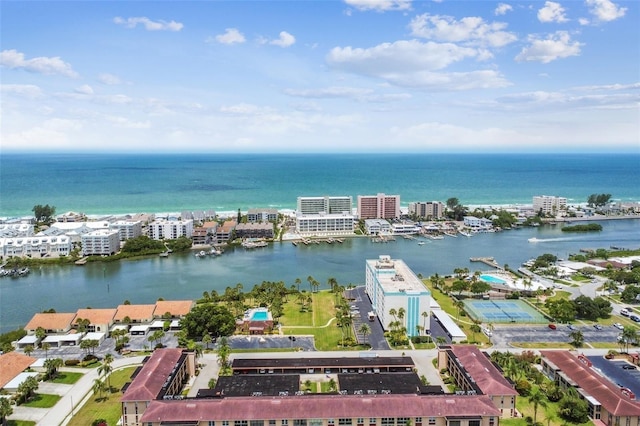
101,242
170,229
549,204
328,205
391,284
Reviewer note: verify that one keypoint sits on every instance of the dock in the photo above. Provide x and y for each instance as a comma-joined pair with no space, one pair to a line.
81,262
486,260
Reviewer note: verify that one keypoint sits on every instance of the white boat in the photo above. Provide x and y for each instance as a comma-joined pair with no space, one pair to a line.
533,240
201,253
421,243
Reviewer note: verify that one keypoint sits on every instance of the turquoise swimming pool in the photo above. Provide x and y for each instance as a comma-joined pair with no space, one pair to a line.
260,316
491,279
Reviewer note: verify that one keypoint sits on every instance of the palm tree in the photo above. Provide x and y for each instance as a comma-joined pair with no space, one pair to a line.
537,399
577,338
425,315
401,313
298,282
629,335
40,333
393,313
206,339
459,304
106,369
52,365
98,387
365,330
333,283
28,350
5,410
45,346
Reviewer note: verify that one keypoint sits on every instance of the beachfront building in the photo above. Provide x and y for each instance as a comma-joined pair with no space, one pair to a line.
549,205
377,227
607,402
224,232
477,223
474,374
71,217
327,205
391,284
255,230
35,246
262,215
325,224
429,210
378,206
11,230
101,242
161,229
127,228
404,228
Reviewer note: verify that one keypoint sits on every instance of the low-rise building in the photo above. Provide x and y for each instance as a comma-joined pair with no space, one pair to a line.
477,222
325,224
474,373
377,227
225,231
35,246
134,314
11,365
101,242
127,229
173,309
262,215
96,320
549,205
50,322
255,230
200,236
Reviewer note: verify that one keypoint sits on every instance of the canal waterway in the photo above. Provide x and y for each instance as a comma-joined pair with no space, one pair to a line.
184,276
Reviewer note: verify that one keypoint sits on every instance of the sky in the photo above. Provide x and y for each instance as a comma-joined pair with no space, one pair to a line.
320,76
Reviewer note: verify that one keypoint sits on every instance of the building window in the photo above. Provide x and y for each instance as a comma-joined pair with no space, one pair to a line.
240,423
225,423
492,421
344,422
454,423
316,422
372,422
272,423
474,422
388,421
300,422
402,421
432,421
360,421
211,423
256,423
284,422
331,422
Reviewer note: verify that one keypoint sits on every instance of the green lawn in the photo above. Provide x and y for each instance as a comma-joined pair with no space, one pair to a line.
67,378
42,400
20,423
544,413
105,408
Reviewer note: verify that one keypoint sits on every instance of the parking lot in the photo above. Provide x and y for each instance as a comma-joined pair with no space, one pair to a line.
612,369
504,335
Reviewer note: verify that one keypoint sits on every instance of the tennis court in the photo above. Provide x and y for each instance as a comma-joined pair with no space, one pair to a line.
502,311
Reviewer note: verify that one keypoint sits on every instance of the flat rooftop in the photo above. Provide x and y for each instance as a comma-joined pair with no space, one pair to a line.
345,362
381,383
253,385
395,276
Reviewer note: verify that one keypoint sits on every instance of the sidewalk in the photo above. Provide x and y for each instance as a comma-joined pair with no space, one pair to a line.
61,413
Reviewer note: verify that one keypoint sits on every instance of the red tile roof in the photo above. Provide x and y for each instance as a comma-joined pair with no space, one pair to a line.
484,373
148,383
134,312
607,393
96,316
51,321
177,308
12,364
319,407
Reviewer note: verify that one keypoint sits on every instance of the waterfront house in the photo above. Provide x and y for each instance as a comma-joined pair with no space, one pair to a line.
97,320
225,231
51,323
173,309
135,314
200,236
12,364
322,224
377,227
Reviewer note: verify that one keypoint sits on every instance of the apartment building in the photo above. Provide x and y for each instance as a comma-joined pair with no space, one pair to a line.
35,246
429,210
550,205
127,229
325,224
255,230
262,215
378,206
391,284
327,205
101,242
377,227
162,229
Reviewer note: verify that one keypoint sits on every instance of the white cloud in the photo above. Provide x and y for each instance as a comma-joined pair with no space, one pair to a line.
502,9
109,79
126,123
555,46
379,5
44,65
230,36
148,24
583,21
285,40
243,109
552,12
85,89
26,90
330,92
605,10
472,30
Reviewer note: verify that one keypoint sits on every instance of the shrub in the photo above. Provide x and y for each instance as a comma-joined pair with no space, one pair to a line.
89,357
523,387
99,422
71,362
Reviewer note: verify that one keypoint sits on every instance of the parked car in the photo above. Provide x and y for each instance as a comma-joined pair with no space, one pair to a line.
629,367
552,326
618,326
571,327
625,312
634,318
597,326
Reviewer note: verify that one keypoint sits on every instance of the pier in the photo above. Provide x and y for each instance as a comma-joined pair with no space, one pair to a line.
486,260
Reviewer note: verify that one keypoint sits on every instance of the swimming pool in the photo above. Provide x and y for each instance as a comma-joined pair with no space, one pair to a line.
491,279
259,315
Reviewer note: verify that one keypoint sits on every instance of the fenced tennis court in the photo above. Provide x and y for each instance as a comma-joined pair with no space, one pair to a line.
502,311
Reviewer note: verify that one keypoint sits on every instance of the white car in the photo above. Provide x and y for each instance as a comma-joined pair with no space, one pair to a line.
618,326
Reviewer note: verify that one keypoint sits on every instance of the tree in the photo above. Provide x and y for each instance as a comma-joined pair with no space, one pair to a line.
459,286
106,368
425,315
629,335
52,365
40,333
27,388
562,309
28,350
44,214
98,387
5,410
206,339
223,355
45,346
365,330
215,320
577,338
480,287
537,399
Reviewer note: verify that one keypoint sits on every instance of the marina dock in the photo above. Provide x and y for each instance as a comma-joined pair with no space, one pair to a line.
486,260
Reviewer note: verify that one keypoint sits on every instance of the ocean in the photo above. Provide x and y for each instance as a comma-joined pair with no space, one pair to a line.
98,184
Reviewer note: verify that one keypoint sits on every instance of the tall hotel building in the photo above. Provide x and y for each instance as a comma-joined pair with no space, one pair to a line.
549,204
391,284
379,206
328,205
427,210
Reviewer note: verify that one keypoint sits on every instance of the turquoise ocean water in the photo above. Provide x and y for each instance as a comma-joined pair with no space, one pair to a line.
107,183
97,184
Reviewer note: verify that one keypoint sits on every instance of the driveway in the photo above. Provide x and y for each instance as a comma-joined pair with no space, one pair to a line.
359,299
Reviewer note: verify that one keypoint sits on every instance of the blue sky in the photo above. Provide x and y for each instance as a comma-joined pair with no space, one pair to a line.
320,76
